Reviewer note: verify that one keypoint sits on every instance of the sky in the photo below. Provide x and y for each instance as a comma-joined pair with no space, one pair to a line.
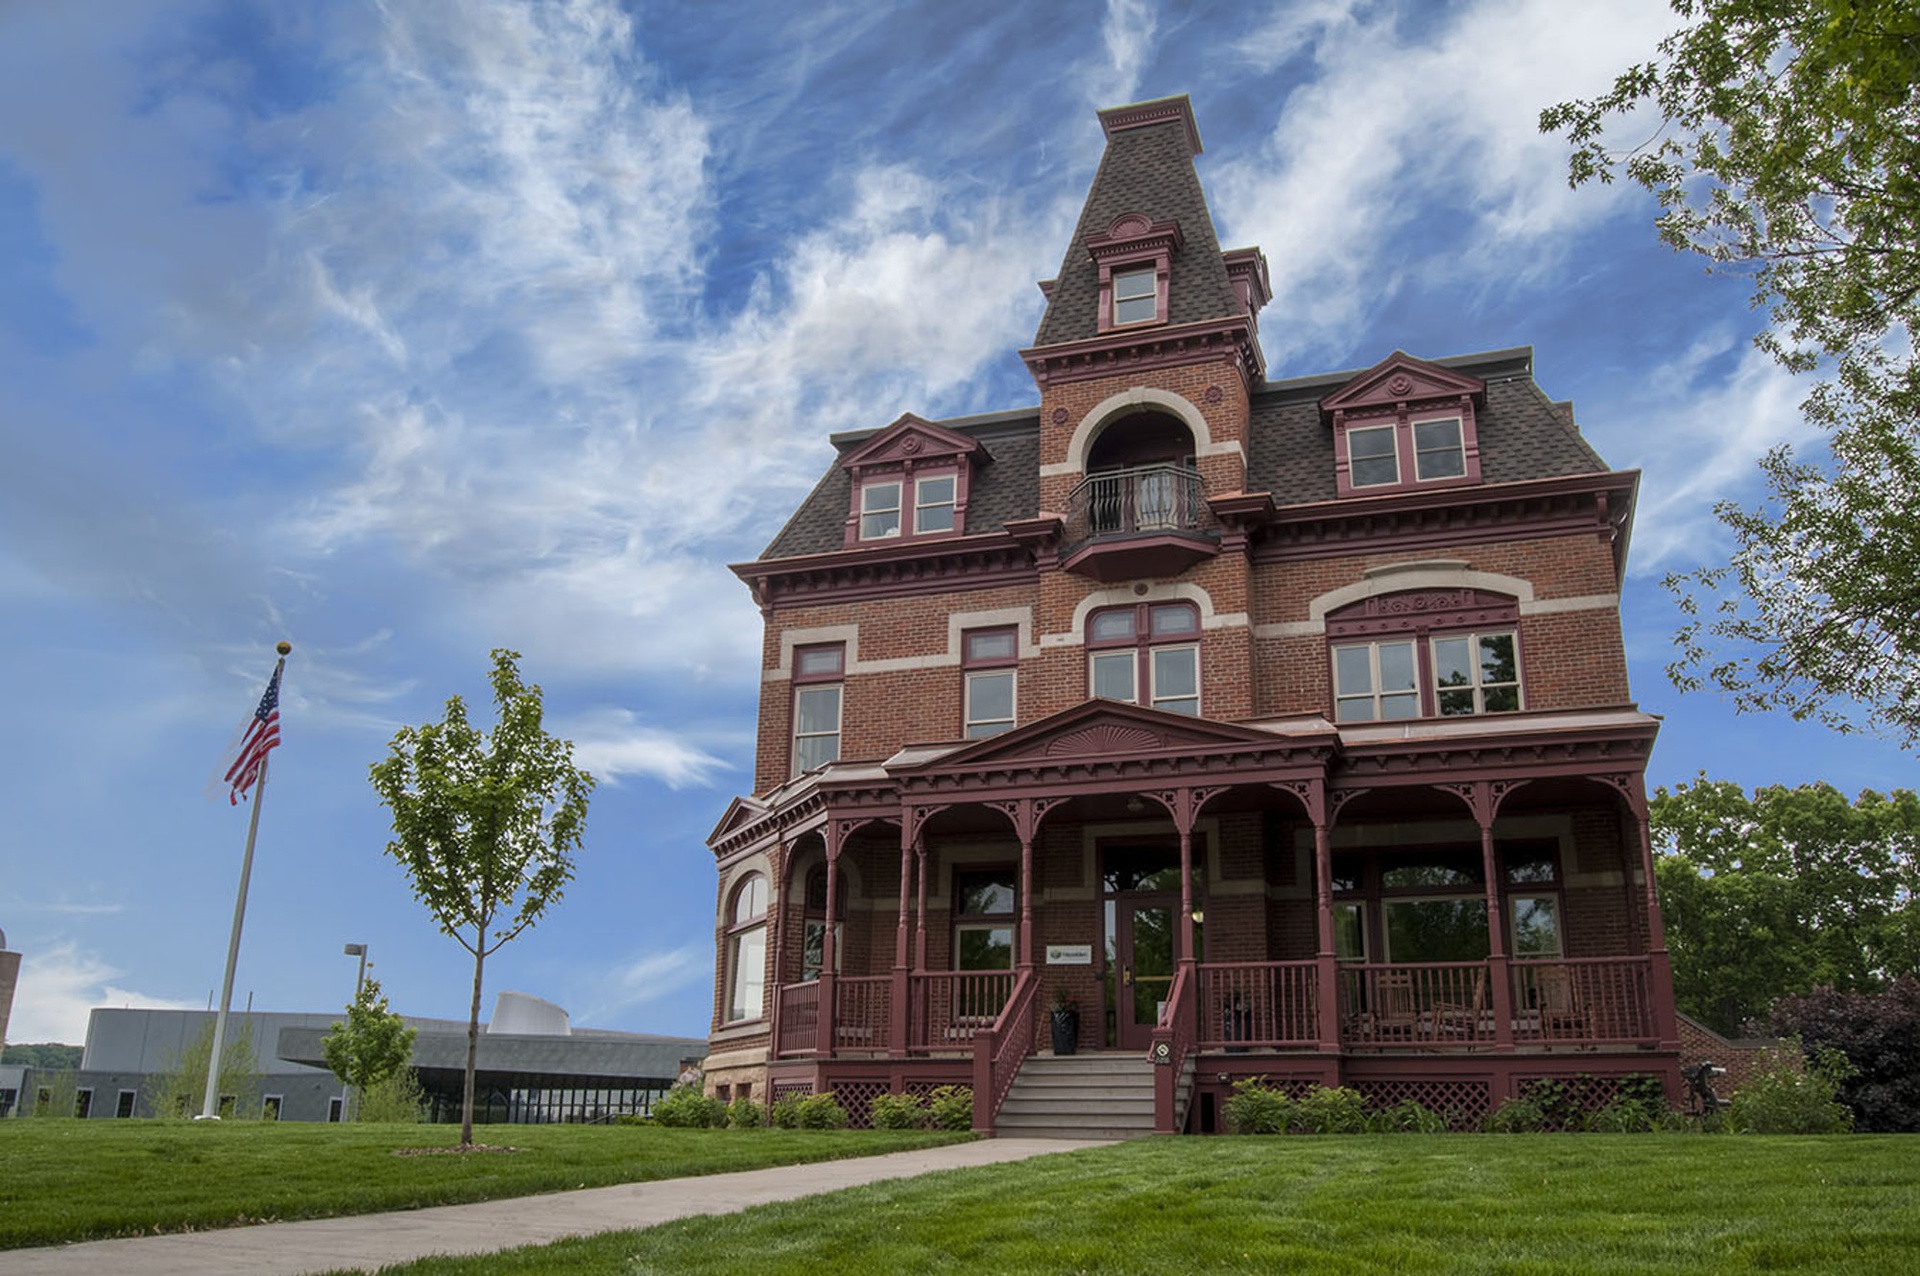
405,331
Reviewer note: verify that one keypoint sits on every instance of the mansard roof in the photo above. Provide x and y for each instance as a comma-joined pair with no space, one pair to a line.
1147,170
1523,435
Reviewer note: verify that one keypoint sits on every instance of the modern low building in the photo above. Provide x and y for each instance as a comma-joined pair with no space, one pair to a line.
533,1066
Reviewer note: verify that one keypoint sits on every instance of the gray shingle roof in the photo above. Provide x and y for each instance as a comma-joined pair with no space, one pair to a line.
1523,435
1144,170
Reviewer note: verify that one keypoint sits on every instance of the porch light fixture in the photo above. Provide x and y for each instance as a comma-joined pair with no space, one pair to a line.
1199,916
1135,805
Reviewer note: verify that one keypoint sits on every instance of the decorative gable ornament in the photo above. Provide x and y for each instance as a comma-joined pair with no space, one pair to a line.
888,472
1404,425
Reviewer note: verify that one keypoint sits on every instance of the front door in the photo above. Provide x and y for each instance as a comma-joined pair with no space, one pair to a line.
1143,962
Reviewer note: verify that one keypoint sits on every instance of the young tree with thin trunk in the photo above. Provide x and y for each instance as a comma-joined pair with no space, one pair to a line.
372,1044
486,825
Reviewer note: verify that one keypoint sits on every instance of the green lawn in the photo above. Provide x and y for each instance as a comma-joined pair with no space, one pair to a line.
76,1180
1531,1205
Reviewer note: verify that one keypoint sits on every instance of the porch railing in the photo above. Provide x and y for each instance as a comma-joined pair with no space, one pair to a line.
1266,1004
999,1049
1586,1000
951,1006
1428,1003
861,1023
1173,1042
797,1030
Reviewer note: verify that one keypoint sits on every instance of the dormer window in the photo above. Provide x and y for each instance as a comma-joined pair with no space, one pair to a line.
879,511
1405,424
1135,297
910,481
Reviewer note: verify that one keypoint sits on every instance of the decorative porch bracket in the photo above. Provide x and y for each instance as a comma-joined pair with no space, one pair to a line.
1483,798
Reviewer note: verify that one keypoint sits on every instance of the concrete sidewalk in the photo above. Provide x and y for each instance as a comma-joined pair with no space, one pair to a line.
369,1241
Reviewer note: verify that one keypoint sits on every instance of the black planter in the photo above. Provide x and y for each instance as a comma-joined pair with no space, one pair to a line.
1066,1031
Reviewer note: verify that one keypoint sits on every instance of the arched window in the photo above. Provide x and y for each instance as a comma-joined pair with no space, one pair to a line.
747,949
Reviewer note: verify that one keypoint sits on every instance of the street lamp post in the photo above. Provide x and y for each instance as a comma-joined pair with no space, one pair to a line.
360,981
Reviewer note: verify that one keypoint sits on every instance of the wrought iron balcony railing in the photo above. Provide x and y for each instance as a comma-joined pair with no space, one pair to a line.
1142,498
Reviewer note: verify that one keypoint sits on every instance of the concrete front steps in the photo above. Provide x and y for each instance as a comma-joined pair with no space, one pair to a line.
1082,1096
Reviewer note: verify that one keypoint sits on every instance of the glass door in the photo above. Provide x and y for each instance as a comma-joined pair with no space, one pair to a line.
1144,945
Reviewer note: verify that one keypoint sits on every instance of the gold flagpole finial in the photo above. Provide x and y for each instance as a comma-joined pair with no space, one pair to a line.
283,646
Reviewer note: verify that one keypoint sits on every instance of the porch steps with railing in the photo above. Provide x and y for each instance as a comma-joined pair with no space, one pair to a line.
1082,1096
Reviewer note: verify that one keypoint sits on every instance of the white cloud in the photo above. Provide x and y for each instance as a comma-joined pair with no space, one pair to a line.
611,743
650,977
1127,34
60,984
1395,126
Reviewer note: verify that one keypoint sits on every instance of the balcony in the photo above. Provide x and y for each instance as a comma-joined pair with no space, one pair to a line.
1144,520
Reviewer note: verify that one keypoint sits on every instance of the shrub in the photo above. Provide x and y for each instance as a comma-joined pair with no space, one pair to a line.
1330,1110
394,1099
901,1112
1624,1116
809,1112
1784,1099
952,1107
688,1107
744,1114
632,1118
1407,1117
785,1113
1880,1035
1516,1115
1257,1108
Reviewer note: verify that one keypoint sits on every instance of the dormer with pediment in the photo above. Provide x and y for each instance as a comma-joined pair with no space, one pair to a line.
910,482
1405,425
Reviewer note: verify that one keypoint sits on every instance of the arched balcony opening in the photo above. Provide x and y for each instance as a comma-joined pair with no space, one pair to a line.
1141,510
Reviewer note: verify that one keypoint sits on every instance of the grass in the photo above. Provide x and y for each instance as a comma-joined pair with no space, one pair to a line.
81,1180
1537,1205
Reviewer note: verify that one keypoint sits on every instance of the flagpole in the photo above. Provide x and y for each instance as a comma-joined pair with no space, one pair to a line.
209,1109
209,1106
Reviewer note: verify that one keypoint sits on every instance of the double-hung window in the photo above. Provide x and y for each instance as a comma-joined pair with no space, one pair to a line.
813,947
879,511
1425,654
817,685
1135,296
983,909
747,949
1406,452
933,503
1475,673
989,658
1375,681
1148,654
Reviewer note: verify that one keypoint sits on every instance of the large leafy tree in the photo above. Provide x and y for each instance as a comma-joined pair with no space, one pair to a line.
486,825
1782,891
1787,146
372,1044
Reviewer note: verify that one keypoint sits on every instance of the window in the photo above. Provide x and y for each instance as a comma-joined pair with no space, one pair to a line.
1135,296
983,910
817,672
988,658
1406,452
1374,682
124,1107
879,511
1350,930
270,1108
1150,646
747,949
1533,913
335,1107
813,946
933,503
83,1103
1468,674
1373,458
1475,673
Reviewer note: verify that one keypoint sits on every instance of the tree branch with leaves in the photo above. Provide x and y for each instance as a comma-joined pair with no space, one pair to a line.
486,825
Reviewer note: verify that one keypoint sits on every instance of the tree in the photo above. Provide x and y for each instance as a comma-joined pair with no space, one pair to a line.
177,1090
485,824
371,1046
1789,149
1879,1033
43,1054
1783,891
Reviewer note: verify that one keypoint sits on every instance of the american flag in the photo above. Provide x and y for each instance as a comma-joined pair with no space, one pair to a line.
259,735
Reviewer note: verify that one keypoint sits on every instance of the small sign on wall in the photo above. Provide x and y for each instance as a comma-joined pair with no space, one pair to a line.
1069,954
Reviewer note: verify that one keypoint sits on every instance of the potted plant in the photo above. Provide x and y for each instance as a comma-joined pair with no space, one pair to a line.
1065,1022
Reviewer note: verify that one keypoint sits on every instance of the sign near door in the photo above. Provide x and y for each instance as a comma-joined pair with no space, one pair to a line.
1069,954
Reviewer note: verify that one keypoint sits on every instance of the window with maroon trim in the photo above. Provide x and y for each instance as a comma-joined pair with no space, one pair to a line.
1135,260
1146,653
818,675
989,660
1419,904
983,918
746,948
813,945
1406,452
901,505
1425,654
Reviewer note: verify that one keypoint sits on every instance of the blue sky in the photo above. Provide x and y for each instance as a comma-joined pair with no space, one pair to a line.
406,331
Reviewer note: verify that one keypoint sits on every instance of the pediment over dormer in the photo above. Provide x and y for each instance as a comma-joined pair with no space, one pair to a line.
912,438
1400,381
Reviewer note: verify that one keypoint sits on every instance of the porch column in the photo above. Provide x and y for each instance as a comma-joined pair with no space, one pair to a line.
1185,930
897,1010
920,912
829,959
777,935
1498,968
1026,901
1326,959
1659,961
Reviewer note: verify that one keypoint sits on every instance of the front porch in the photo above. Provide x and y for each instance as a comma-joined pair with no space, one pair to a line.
1224,901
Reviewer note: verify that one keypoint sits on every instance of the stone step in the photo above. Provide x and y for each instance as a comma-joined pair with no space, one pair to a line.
1088,1132
1066,1090
1077,1106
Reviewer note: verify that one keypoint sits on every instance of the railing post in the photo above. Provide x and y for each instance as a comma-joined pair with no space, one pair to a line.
1326,962
984,1042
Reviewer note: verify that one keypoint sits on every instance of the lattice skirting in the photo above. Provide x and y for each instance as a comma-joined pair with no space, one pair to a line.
857,1097
1567,1100
1463,1101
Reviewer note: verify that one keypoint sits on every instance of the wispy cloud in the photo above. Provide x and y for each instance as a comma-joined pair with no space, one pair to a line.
613,744
647,978
1126,33
59,984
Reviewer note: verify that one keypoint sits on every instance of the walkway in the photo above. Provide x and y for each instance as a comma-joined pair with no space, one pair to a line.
369,1241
